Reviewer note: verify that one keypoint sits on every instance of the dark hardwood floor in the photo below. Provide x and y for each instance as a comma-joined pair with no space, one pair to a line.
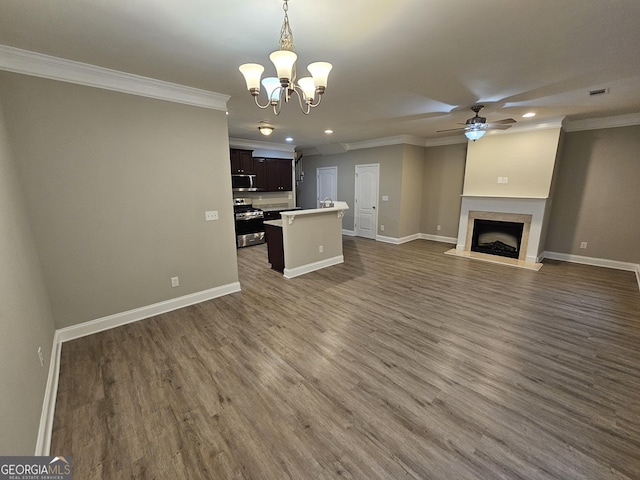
402,362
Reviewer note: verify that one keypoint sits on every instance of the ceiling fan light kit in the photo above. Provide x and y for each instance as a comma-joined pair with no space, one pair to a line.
281,89
475,127
475,133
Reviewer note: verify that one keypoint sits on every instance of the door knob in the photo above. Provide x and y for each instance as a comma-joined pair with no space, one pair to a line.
374,207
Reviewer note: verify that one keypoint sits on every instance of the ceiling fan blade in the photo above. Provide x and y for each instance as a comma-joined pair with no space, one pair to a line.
452,130
499,127
503,121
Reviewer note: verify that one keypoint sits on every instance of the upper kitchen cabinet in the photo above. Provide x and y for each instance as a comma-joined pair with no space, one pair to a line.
260,171
279,175
241,161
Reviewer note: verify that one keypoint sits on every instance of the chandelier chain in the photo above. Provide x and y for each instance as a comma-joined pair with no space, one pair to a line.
286,35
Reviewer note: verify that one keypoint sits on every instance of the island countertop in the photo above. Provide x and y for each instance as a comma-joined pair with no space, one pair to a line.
339,207
275,223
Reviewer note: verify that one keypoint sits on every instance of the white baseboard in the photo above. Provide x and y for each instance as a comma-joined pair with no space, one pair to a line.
438,238
598,262
416,236
349,233
43,442
397,241
312,267
118,319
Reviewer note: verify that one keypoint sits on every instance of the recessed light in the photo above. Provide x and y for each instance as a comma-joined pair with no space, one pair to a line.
288,139
328,132
529,115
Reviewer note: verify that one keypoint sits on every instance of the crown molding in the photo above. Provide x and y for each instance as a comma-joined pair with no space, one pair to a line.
603,122
386,141
55,68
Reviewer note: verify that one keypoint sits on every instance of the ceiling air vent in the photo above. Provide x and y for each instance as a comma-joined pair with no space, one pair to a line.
598,91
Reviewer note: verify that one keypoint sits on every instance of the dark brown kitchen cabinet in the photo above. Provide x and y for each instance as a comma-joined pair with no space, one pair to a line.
260,171
275,247
279,173
241,161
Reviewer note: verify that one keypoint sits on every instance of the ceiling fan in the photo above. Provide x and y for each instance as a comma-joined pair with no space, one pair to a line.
475,127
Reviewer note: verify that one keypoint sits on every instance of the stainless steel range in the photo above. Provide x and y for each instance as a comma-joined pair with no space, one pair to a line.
249,223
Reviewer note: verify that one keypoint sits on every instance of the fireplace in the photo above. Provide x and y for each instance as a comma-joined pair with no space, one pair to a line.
496,237
487,219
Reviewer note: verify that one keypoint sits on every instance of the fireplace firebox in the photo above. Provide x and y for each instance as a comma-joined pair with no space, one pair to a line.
497,237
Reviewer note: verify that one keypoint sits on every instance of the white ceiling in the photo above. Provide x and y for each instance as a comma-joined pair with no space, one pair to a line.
400,67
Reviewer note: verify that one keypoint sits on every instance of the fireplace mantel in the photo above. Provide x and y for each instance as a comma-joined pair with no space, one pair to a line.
496,196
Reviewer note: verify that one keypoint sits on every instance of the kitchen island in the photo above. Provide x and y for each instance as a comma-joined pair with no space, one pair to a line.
306,240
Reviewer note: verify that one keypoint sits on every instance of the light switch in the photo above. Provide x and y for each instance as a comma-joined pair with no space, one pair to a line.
211,215
385,198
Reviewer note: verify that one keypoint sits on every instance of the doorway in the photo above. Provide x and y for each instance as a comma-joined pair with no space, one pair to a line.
366,200
327,186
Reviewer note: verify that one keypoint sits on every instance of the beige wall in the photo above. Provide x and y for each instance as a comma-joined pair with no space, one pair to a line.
442,187
526,158
116,187
26,320
306,234
390,159
597,198
411,190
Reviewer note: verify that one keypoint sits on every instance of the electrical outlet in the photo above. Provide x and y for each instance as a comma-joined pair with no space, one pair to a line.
41,356
211,215
175,282
583,245
439,227
385,198
382,228
321,248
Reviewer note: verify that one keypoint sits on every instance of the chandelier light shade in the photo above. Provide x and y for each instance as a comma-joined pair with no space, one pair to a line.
281,89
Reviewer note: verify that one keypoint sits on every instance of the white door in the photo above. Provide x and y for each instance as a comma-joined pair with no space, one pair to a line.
327,183
366,201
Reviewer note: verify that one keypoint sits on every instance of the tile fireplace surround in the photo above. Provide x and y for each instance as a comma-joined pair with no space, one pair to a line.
526,210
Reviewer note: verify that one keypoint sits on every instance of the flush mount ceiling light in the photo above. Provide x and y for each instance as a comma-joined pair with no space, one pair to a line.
529,115
265,130
309,90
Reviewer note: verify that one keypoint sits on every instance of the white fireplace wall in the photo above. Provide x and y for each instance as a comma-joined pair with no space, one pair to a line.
526,158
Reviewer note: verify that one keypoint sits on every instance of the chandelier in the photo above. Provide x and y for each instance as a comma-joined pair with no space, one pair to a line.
308,90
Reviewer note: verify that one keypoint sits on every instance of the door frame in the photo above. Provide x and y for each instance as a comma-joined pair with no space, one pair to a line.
355,198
